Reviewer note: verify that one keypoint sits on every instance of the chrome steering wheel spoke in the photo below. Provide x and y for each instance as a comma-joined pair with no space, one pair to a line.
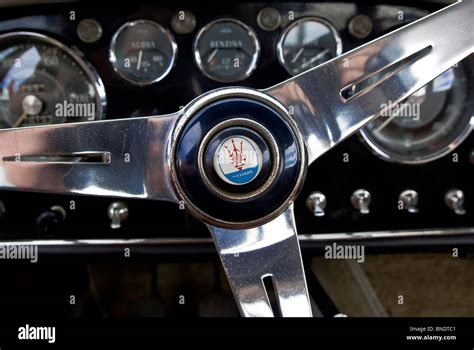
122,158
271,250
337,98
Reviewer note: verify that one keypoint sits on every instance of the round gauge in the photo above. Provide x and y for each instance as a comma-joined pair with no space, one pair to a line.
143,52
427,125
307,43
226,50
44,82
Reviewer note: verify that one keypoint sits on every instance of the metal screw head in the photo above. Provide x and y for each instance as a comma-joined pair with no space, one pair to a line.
360,26
32,105
268,19
183,22
89,30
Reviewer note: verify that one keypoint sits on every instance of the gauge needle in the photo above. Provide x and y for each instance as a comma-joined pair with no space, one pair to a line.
298,54
314,59
139,63
212,55
20,120
385,123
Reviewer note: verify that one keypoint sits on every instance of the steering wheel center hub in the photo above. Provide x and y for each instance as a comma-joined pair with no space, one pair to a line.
238,160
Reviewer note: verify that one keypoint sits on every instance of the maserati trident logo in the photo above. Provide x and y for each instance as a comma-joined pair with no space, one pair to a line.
238,160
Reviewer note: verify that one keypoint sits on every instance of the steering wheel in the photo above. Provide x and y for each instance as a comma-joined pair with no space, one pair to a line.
236,157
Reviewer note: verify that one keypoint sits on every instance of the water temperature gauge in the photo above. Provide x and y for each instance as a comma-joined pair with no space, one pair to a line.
143,52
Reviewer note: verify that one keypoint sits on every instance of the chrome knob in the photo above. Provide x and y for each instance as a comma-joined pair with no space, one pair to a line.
454,199
118,212
32,105
316,203
360,200
409,200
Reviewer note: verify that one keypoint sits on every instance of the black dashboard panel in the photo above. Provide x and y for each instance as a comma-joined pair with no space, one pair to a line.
337,174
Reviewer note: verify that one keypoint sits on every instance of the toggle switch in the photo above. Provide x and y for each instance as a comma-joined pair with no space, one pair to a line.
48,221
118,213
409,200
316,203
360,200
454,199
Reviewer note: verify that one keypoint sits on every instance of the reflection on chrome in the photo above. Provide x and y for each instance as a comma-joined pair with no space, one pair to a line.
269,250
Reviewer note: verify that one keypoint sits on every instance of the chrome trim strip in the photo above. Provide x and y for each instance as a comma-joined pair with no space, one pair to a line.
391,234
320,237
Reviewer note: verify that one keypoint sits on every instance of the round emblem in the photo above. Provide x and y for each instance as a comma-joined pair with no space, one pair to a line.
238,160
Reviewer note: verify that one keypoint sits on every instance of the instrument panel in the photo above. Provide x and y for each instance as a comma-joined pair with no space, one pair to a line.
142,59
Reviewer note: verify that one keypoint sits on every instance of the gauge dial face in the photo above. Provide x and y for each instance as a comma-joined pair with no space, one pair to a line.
226,50
427,125
45,82
307,43
143,52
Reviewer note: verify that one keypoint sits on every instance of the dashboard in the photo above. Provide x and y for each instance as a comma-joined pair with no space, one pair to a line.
408,173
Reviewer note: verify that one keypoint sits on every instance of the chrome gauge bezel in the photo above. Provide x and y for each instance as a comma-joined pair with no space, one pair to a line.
253,37
77,56
378,151
113,56
283,35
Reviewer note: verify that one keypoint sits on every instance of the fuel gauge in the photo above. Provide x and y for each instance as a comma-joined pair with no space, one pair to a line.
226,50
143,52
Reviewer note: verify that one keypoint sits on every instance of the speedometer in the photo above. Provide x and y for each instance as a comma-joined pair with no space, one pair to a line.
44,82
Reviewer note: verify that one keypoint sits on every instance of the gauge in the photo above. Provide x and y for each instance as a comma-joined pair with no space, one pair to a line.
306,43
427,125
143,52
44,82
226,50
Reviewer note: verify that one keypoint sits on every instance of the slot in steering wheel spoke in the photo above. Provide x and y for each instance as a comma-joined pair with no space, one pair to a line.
123,158
337,98
271,250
